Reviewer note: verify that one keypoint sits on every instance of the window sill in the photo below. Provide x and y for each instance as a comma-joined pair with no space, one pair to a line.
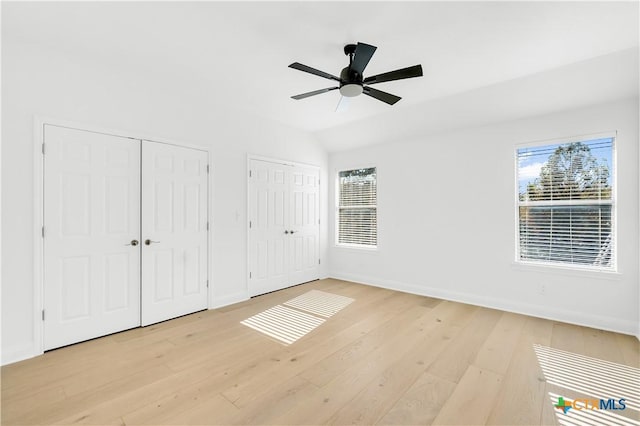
564,270
357,247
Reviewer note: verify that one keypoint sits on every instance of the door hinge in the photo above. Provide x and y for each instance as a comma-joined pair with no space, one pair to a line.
249,224
207,226
318,261
207,283
43,232
249,274
249,173
207,168
42,149
43,315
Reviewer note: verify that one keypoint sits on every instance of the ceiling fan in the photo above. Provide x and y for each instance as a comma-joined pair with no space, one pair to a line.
352,82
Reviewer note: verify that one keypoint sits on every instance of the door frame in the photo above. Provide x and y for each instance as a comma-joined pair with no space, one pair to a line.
38,210
251,157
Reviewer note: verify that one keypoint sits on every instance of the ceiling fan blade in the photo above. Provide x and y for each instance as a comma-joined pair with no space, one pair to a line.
409,72
305,68
315,92
380,95
343,104
362,56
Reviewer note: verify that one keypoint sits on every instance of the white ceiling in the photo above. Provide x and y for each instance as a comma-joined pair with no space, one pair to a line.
241,50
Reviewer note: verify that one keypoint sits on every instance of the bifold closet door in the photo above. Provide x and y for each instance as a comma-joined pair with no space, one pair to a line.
283,226
91,233
174,231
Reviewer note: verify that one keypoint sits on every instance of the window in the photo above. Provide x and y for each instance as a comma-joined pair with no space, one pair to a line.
357,208
566,203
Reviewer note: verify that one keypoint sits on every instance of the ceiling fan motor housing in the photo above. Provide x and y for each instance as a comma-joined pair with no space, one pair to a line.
350,83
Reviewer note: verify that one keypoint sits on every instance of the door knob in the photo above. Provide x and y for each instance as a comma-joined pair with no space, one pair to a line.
286,232
148,242
292,232
132,243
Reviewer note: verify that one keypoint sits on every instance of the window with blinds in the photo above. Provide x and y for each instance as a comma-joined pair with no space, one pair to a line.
357,208
566,208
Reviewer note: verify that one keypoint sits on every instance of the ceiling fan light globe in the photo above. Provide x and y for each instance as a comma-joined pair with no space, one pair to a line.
351,90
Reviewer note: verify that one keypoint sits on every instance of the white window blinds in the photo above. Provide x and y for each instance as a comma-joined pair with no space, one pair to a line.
357,207
566,205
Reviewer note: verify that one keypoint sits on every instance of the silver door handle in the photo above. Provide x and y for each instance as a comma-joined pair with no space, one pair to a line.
286,232
148,242
292,232
132,243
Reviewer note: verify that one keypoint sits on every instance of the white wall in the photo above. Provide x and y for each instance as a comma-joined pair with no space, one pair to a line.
140,101
433,241
446,214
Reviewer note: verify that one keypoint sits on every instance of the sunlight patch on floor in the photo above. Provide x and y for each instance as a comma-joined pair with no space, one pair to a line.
282,323
300,316
590,376
319,303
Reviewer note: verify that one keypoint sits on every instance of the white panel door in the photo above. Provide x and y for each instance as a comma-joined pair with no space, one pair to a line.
283,226
304,228
174,231
91,224
269,198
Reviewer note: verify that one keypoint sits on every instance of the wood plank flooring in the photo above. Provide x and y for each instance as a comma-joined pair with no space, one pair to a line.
387,358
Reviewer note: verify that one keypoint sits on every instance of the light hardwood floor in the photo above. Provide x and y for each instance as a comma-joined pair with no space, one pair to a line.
387,358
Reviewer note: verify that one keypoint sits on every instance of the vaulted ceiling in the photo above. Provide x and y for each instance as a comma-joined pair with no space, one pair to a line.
479,58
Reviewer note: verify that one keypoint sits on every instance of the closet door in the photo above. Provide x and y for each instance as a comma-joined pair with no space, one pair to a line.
304,225
268,226
91,233
283,225
174,231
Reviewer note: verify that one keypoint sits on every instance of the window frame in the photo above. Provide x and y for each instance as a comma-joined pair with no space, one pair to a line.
337,242
535,264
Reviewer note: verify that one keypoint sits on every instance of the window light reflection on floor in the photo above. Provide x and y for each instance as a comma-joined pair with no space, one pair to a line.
298,317
594,378
591,376
282,323
319,303
586,416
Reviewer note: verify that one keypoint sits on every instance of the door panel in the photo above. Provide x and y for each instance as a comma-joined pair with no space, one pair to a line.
282,198
268,217
92,212
304,211
174,218
117,282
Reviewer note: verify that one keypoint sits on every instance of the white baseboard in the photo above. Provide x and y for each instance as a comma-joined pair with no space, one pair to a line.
19,353
26,351
230,299
578,318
